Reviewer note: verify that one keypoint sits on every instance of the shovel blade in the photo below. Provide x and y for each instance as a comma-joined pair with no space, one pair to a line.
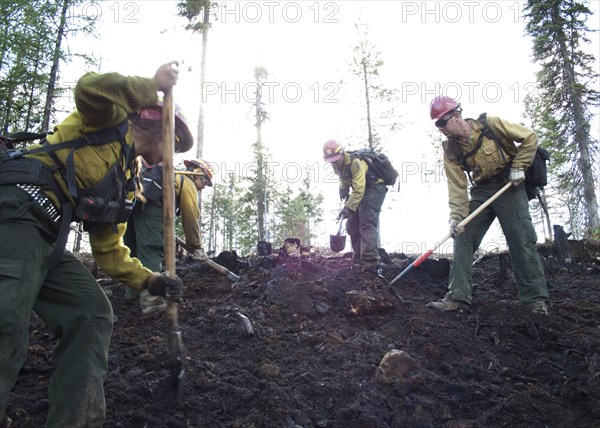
337,243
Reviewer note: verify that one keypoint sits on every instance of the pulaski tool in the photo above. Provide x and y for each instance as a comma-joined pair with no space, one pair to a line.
174,340
463,223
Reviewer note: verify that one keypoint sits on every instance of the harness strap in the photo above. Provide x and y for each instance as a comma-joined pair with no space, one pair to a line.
462,158
63,235
93,139
20,137
486,131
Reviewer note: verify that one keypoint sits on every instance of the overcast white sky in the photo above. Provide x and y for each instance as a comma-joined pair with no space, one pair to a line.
475,51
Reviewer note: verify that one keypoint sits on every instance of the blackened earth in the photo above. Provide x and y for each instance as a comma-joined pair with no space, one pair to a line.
298,340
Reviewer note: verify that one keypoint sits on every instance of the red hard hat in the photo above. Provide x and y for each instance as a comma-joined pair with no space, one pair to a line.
205,168
332,151
442,105
183,137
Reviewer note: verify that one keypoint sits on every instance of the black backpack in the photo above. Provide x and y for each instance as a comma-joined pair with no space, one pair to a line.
536,176
152,180
104,203
379,164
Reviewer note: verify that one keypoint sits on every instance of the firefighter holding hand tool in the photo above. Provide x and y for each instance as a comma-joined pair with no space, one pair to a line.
144,235
363,204
470,155
84,171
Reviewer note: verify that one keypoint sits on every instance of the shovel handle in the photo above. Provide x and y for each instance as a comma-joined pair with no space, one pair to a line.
463,223
340,227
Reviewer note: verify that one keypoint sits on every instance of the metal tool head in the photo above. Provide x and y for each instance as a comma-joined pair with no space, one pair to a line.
175,364
380,274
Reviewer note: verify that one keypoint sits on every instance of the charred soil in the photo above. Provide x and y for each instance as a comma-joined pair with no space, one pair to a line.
297,342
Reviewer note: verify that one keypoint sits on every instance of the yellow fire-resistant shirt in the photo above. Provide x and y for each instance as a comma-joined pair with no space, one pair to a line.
187,193
352,173
102,101
488,161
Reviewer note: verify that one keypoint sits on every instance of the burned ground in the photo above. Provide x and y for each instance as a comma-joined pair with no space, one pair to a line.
298,340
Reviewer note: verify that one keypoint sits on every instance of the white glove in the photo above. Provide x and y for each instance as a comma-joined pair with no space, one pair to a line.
199,255
517,176
455,228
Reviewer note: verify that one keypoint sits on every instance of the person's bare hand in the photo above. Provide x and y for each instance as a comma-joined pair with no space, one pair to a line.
166,76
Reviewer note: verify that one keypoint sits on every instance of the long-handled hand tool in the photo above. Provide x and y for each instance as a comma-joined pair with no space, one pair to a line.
221,269
463,223
174,340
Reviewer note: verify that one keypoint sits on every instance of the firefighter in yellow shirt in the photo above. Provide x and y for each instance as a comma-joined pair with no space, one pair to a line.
144,235
469,155
83,171
362,205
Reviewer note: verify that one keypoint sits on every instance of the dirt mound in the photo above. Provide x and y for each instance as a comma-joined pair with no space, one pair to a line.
298,340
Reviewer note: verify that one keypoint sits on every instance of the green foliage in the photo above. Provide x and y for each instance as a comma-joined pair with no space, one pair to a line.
298,213
561,109
197,12
30,49
232,211
224,212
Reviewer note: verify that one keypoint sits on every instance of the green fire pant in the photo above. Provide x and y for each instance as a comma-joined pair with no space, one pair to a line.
144,237
363,225
67,298
512,210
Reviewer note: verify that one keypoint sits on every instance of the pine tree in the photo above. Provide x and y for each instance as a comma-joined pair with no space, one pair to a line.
562,115
260,184
366,65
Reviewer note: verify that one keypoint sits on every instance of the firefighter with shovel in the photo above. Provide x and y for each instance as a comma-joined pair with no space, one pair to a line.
470,155
362,205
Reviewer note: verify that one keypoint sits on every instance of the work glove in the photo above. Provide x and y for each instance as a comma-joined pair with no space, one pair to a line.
455,228
517,176
160,284
344,193
166,76
199,255
345,213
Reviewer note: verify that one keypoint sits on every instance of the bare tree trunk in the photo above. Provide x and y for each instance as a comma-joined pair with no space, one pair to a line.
582,133
544,205
561,243
78,236
212,233
54,70
28,116
260,178
368,103
4,39
200,130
